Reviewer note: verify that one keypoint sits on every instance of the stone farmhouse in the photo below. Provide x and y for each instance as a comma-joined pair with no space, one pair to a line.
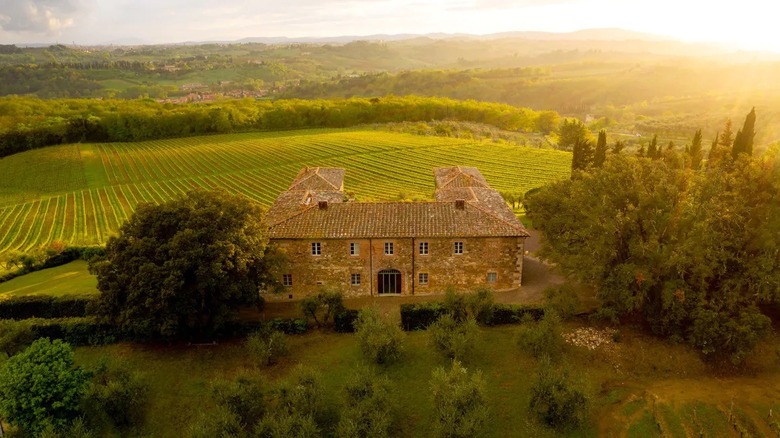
468,237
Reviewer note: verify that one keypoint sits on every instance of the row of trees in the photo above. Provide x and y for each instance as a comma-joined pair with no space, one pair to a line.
691,249
31,123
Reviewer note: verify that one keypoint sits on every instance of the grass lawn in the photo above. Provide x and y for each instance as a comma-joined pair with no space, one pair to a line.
70,279
639,387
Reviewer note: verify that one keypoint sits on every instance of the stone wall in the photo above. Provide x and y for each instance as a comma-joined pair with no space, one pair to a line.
333,268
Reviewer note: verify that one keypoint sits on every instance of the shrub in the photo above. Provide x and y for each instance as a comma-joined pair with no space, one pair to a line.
369,408
15,336
75,331
242,397
481,304
323,307
460,405
563,300
419,316
116,395
557,400
543,338
515,314
266,346
216,422
344,322
455,339
40,386
455,304
44,307
296,408
380,339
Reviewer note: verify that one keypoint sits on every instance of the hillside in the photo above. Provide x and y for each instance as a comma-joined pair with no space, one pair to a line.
82,193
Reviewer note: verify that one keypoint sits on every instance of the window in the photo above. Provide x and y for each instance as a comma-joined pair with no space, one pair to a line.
423,248
423,279
388,248
354,248
458,247
355,280
316,248
287,280
491,277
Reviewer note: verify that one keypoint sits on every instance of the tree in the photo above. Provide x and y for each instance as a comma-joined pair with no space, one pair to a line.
182,268
600,155
460,405
690,252
369,407
41,386
116,395
323,307
743,142
456,339
570,132
266,346
653,151
582,155
695,152
380,339
726,138
557,400
618,147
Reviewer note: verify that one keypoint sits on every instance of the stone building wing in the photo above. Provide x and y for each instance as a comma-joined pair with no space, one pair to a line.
324,179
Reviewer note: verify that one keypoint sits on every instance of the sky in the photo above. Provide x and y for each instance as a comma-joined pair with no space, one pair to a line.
748,24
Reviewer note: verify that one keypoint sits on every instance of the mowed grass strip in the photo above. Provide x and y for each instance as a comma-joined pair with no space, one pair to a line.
69,279
101,184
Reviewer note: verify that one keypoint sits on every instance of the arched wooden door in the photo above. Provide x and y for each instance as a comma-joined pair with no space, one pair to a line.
389,281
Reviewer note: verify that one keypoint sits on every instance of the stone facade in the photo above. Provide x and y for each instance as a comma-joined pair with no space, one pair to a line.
368,249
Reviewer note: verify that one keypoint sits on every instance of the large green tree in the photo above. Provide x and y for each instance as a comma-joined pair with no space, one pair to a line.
41,387
180,269
694,253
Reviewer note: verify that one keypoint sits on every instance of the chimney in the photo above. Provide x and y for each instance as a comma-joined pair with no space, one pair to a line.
460,204
323,205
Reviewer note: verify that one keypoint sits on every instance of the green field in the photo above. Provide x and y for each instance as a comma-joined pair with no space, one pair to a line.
82,193
70,279
641,387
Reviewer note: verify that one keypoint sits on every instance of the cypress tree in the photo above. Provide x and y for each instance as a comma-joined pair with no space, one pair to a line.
600,155
726,137
618,147
695,151
653,151
743,143
641,151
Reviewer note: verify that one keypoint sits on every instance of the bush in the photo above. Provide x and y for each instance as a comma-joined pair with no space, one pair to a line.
116,395
455,305
216,422
460,404
243,397
296,408
75,331
40,386
323,307
563,300
455,339
266,346
44,307
344,322
290,326
369,408
419,316
515,314
481,304
15,336
380,340
557,400
543,338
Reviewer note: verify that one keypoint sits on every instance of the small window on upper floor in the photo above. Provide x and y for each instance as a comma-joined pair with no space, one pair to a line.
389,250
423,248
354,248
287,280
492,277
355,280
423,279
316,248
458,248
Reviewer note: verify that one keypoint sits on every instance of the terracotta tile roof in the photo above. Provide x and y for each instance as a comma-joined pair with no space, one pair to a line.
487,198
319,179
290,203
395,219
458,176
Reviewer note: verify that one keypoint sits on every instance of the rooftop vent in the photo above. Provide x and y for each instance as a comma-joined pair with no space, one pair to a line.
323,205
460,204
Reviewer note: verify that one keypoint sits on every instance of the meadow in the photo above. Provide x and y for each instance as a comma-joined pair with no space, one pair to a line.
82,193
639,387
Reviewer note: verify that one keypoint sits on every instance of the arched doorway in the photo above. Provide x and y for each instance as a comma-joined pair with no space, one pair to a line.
389,281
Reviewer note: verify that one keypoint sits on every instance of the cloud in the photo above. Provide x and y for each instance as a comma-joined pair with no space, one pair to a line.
504,4
39,16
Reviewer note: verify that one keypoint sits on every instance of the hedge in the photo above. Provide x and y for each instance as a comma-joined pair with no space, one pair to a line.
75,331
419,316
289,326
344,322
44,307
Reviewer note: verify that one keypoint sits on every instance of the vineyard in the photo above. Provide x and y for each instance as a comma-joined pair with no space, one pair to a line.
82,193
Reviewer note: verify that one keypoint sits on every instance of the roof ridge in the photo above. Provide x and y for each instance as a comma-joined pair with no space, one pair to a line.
492,214
296,214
